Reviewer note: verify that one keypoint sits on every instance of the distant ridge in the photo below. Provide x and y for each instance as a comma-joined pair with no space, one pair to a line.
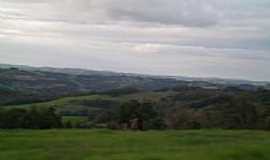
79,71
24,84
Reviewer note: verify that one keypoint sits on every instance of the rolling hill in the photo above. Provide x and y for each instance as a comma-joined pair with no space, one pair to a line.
25,84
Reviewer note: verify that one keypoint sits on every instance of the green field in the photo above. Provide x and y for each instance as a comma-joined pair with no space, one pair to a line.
121,145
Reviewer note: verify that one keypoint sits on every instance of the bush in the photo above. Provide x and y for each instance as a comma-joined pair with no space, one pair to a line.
31,119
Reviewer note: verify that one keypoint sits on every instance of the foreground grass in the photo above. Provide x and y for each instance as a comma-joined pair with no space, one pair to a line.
119,145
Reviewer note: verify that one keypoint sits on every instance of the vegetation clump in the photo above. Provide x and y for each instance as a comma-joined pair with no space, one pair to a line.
30,119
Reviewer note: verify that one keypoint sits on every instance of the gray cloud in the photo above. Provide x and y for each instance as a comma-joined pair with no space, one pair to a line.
226,38
187,13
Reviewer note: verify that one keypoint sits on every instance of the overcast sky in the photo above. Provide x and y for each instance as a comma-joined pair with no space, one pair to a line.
200,38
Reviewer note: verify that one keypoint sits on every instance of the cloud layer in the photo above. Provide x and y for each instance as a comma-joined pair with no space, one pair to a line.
225,38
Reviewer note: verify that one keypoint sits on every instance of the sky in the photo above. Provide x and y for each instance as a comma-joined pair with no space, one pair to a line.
195,38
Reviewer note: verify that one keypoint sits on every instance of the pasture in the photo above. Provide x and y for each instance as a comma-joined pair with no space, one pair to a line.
77,144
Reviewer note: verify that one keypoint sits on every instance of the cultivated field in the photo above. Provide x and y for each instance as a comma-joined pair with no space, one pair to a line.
127,145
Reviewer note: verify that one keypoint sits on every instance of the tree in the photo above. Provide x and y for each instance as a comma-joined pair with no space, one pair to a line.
183,118
156,123
240,112
49,119
32,118
135,114
128,111
11,119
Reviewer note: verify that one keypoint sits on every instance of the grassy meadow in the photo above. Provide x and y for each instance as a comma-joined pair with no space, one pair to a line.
127,145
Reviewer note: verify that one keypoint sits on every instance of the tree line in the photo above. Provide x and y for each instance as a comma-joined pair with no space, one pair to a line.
236,112
223,112
32,118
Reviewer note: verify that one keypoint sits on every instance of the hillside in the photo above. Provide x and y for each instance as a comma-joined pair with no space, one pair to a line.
111,100
180,107
25,84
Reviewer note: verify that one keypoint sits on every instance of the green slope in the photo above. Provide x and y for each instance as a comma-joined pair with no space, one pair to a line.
119,145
